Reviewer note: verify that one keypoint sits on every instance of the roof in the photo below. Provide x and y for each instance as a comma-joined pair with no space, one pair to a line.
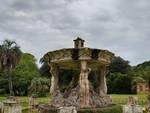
78,38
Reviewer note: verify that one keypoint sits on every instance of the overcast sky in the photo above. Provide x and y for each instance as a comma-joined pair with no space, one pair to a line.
39,26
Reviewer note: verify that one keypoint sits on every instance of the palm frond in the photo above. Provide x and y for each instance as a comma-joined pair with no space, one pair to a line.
10,54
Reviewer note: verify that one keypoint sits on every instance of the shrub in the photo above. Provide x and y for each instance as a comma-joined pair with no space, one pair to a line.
2,91
119,83
39,87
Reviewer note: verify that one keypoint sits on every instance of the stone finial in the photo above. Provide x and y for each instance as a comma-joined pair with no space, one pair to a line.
78,43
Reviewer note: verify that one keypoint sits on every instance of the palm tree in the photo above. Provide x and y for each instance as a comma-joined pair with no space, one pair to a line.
10,55
0,56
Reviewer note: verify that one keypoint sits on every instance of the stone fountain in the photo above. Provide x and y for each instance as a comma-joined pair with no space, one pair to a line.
85,60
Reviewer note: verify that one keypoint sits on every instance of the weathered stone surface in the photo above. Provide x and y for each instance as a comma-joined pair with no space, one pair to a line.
11,107
142,86
84,85
132,106
46,108
33,102
49,109
73,99
67,110
132,109
71,54
54,89
132,100
1,107
103,84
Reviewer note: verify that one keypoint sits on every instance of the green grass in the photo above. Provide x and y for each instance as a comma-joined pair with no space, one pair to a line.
2,98
122,98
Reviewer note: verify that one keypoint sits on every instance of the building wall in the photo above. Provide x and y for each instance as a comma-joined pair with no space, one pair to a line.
142,87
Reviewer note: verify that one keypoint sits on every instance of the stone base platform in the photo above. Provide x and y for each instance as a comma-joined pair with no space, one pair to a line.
45,108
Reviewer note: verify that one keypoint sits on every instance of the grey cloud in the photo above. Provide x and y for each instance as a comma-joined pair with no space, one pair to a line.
121,26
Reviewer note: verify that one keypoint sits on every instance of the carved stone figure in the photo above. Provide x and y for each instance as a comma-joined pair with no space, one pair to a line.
103,84
84,85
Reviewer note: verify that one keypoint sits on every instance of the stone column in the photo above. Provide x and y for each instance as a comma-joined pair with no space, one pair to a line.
84,85
103,84
54,89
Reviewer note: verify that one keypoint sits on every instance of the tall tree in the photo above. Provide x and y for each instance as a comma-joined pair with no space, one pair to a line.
24,72
9,58
119,65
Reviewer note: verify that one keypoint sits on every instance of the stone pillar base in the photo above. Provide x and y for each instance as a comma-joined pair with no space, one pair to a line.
11,107
132,109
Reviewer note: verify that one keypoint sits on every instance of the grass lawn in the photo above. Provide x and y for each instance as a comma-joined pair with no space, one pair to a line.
122,98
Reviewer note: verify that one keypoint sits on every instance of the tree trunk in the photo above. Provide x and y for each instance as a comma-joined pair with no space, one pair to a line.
10,82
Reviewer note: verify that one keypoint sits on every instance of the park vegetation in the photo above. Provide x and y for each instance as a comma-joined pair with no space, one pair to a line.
20,75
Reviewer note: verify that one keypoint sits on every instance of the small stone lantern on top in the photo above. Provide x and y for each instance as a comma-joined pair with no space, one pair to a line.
78,43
